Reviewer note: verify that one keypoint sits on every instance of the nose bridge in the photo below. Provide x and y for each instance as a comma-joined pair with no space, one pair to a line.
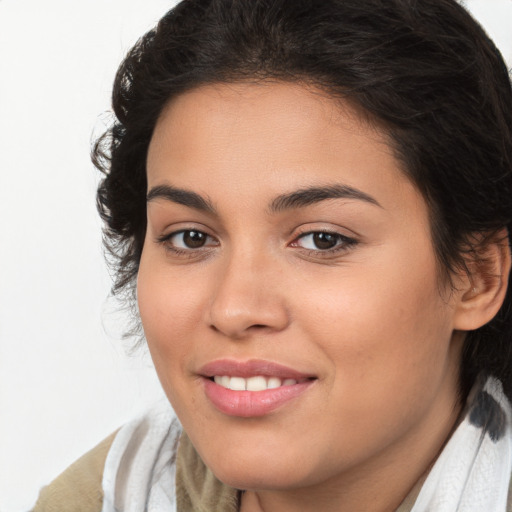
247,295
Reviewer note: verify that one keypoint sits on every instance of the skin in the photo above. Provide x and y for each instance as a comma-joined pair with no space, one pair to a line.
371,321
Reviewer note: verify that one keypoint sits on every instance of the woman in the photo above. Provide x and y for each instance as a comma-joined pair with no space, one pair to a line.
311,203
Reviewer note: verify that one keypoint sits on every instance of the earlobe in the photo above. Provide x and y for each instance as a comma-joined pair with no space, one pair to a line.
484,290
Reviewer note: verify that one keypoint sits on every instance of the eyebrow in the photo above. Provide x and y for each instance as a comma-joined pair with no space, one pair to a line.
297,199
180,196
312,195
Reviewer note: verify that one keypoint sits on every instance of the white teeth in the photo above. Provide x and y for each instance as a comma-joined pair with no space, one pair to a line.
273,382
256,383
237,384
222,380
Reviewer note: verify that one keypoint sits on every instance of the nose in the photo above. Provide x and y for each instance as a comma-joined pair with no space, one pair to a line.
249,298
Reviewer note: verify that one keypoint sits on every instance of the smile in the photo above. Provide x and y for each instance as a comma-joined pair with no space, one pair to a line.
253,388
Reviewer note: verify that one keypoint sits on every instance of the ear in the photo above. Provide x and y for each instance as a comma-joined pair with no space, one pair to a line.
483,291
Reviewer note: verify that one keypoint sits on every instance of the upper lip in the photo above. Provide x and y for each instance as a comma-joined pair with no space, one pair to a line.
251,368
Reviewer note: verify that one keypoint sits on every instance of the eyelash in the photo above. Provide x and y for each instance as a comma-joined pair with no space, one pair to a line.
343,243
166,241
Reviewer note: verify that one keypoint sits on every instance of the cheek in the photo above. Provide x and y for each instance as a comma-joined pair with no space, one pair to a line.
385,351
169,315
386,330
170,309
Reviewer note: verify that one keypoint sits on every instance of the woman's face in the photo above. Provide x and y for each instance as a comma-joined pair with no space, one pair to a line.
286,253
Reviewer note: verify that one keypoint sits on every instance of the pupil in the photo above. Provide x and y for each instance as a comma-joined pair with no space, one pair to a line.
324,240
194,239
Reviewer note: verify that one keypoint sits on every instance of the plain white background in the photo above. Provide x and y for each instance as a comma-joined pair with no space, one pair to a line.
65,380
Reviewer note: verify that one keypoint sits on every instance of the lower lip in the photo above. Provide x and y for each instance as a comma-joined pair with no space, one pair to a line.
252,404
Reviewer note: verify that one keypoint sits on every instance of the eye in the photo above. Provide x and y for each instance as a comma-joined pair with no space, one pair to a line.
188,239
323,241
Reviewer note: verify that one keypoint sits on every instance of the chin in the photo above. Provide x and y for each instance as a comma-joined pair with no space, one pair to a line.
257,478
260,470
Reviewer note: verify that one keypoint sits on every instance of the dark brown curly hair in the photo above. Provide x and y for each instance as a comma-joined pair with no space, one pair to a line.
424,69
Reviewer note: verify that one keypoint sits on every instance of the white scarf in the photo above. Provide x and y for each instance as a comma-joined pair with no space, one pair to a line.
140,468
472,473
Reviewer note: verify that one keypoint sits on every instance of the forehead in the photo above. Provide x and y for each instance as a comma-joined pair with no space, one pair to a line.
223,110
269,136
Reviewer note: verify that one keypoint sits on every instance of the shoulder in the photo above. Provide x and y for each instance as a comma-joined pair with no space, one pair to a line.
79,487
133,465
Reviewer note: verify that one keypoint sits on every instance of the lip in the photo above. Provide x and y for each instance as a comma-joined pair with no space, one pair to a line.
251,368
252,404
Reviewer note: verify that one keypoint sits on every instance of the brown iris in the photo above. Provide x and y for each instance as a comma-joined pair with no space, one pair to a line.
194,239
325,240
